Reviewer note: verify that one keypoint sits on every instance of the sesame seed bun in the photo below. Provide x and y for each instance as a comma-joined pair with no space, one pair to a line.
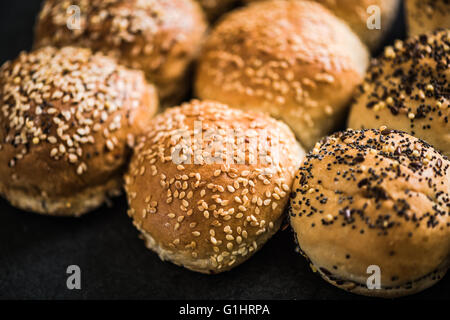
215,8
160,37
354,13
210,216
427,15
407,89
291,59
65,124
374,198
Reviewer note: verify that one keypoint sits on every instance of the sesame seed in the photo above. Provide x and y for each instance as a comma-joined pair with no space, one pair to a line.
72,158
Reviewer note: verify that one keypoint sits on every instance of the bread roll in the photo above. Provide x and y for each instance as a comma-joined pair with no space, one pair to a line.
160,37
408,89
66,120
427,15
291,59
374,199
207,184
356,14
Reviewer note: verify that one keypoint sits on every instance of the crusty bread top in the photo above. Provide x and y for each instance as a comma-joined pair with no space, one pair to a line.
355,14
214,210
292,59
408,88
65,119
427,15
160,37
373,197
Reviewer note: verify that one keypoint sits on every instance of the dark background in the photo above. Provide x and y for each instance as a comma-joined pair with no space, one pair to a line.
36,250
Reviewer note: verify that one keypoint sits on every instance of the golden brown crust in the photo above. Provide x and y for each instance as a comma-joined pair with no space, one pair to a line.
408,89
160,37
289,59
427,15
66,121
210,216
374,197
354,13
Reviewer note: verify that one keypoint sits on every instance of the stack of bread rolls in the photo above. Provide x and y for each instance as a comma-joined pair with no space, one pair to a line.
210,181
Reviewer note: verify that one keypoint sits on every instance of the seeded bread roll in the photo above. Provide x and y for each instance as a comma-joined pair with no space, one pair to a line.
356,14
408,88
160,37
215,8
374,198
291,59
427,15
66,118
214,213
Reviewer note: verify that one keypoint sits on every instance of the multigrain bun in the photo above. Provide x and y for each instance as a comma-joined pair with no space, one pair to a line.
355,13
374,198
160,37
213,214
408,89
427,15
215,8
293,60
66,119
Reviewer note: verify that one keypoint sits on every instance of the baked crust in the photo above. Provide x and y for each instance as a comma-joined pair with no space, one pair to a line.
290,59
160,37
68,120
424,16
74,205
354,13
374,197
407,89
210,216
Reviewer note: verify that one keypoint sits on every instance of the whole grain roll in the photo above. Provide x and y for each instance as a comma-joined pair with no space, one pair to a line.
208,184
356,13
408,88
66,122
291,59
374,198
427,15
160,37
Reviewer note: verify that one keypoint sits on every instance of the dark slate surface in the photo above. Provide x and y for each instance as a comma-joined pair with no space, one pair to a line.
35,250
